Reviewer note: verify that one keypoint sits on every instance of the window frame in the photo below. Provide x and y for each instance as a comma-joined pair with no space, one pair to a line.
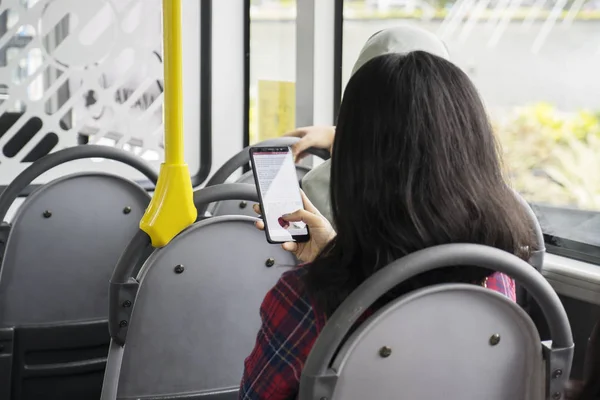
246,118
205,133
337,38
338,46
572,249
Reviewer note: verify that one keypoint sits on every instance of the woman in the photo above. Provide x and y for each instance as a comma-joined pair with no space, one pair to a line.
427,173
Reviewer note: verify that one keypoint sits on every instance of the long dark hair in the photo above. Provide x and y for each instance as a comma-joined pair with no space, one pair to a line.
415,164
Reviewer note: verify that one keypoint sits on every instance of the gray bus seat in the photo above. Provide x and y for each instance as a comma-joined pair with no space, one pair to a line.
242,207
194,315
60,251
240,160
123,283
537,257
449,341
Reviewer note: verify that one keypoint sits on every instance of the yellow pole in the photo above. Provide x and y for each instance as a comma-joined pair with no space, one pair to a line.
173,66
172,207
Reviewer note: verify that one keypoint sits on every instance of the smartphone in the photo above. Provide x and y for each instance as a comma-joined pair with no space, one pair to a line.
279,193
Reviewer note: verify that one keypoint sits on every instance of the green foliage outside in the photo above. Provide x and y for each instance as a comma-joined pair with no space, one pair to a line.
552,157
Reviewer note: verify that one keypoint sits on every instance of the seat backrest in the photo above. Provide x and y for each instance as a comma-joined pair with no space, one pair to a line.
537,256
243,158
242,207
64,242
195,316
451,341
462,341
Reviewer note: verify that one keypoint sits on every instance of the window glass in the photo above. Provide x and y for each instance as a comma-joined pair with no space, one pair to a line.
272,68
536,65
89,73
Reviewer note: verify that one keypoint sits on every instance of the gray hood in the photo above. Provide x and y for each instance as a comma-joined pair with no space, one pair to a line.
401,39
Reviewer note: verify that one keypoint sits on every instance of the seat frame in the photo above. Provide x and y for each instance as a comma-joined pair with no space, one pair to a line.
318,378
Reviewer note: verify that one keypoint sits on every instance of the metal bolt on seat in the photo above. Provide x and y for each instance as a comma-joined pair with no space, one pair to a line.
557,374
385,352
495,339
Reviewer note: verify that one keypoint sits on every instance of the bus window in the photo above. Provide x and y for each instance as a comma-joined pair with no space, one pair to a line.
272,68
535,67
91,73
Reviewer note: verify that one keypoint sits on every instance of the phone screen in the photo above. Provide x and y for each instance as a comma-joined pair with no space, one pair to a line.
279,191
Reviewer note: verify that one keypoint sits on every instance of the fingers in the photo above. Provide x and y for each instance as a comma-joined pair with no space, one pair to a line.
310,219
320,137
290,246
309,215
299,133
299,149
300,156
259,224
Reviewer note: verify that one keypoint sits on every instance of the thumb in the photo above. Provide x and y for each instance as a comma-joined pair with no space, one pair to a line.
290,246
308,205
310,219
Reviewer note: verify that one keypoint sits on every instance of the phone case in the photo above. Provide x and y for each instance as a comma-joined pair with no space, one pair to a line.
258,191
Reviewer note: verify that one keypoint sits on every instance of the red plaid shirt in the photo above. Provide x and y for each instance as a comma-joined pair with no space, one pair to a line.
289,329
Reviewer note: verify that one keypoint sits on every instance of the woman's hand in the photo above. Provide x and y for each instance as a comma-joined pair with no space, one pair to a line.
320,137
320,230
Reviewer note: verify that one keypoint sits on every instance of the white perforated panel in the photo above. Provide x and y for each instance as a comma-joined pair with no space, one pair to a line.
89,71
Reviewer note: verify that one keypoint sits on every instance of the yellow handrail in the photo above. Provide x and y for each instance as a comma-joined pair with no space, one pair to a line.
172,207
173,66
